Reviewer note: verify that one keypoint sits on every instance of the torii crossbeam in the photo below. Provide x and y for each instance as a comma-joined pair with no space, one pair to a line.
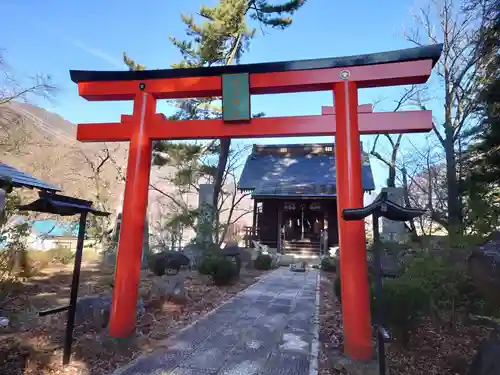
342,75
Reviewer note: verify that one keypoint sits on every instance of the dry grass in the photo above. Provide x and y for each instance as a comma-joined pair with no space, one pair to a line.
33,345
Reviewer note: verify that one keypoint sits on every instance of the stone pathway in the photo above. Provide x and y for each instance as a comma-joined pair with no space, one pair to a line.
270,328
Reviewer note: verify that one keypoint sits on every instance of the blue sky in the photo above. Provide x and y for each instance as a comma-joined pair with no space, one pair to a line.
54,36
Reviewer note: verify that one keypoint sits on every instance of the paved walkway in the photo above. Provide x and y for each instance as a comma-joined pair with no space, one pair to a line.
267,329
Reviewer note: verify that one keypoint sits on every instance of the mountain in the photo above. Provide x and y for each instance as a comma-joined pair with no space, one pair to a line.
44,144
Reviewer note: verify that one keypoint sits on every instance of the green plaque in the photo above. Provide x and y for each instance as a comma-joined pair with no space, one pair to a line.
236,97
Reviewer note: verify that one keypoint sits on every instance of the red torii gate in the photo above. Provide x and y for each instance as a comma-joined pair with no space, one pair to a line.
342,75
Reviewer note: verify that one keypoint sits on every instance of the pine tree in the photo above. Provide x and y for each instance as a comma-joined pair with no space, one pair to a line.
221,37
483,155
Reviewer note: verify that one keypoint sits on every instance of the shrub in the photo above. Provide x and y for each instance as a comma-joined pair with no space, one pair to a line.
41,259
225,271
430,285
263,262
328,264
445,284
405,301
62,255
206,266
220,269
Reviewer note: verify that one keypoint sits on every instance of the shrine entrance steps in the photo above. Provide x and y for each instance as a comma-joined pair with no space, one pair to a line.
303,248
271,328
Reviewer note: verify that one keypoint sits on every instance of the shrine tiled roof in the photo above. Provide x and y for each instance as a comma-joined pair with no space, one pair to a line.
21,179
295,170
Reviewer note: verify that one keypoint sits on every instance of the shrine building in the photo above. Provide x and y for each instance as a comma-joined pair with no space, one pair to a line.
294,192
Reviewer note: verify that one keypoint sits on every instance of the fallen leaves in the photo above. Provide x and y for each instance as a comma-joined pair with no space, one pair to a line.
434,349
35,346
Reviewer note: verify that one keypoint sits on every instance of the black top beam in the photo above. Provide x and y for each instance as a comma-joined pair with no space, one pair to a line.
432,52
61,205
383,207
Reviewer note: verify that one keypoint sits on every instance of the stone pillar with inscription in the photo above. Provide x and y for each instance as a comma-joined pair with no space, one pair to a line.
206,214
394,230
112,245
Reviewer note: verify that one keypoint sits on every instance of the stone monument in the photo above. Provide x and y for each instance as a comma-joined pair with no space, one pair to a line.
112,246
206,215
393,230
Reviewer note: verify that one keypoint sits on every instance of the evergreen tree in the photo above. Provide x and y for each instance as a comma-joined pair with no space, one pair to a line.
220,37
483,155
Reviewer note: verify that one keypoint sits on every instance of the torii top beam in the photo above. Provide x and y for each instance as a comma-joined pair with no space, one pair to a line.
402,67
409,66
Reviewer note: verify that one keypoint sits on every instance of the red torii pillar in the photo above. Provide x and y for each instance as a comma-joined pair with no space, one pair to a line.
411,66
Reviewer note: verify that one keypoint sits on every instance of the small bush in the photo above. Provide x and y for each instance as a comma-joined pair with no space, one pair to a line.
328,264
62,255
405,302
263,262
444,283
430,286
206,266
225,271
220,269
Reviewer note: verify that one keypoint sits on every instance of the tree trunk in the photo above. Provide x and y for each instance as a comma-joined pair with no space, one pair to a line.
225,145
454,204
391,181
406,196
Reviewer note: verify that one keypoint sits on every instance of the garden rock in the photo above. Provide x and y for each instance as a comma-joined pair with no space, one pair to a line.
340,362
246,256
484,269
286,260
391,266
95,309
276,258
298,267
170,287
487,359
254,254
